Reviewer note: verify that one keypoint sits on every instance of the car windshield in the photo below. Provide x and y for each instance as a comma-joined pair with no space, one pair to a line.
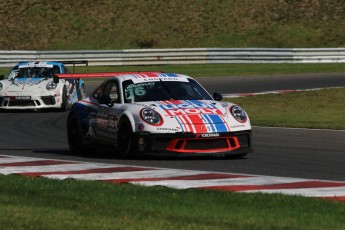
34,72
163,90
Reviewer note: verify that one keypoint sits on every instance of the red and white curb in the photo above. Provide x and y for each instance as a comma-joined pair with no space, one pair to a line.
173,178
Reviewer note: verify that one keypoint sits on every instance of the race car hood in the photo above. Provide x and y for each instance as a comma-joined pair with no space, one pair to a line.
25,84
189,107
198,116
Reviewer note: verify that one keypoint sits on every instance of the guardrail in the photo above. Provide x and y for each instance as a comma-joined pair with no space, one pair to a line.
179,56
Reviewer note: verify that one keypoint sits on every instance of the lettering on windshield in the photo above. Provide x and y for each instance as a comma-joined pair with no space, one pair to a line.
137,89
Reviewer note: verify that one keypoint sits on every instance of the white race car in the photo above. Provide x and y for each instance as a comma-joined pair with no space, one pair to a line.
156,113
30,85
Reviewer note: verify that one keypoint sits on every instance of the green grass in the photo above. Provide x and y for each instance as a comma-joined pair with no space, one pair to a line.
324,109
39,203
226,69
212,70
109,24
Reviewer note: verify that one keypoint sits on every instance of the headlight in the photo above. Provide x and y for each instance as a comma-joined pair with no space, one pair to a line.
151,117
51,85
1,86
238,113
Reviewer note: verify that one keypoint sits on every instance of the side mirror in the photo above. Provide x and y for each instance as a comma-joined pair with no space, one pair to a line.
105,100
2,77
217,96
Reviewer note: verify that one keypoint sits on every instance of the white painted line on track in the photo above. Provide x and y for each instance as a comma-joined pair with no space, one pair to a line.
160,173
309,192
236,95
307,129
10,160
258,180
52,168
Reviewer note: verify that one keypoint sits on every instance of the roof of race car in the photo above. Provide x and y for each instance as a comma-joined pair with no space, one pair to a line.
135,76
38,64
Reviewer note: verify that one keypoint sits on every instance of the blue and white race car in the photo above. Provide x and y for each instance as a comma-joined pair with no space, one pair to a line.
30,85
156,113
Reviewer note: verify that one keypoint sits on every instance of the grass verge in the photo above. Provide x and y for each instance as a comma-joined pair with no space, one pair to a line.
213,70
321,109
109,24
39,203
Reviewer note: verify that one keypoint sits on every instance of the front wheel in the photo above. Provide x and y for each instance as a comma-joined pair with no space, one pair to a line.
127,143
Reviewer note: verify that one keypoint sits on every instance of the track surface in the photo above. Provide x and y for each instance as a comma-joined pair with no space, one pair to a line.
314,154
256,84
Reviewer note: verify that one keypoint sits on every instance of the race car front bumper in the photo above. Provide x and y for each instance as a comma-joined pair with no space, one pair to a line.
231,143
29,102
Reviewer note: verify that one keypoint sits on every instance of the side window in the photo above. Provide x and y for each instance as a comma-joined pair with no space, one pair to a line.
97,93
56,69
108,91
14,73
23,73
202,94
127,91
114,92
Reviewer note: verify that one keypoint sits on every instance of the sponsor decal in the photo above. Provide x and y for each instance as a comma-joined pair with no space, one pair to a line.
237,126
174,112
103,111
27,81
141,127
206,135
168,129
189,107
23,82
147,77
22,98
36,64
137,89
196,116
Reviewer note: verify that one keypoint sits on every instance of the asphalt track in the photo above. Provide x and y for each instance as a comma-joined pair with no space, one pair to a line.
256,84
300,153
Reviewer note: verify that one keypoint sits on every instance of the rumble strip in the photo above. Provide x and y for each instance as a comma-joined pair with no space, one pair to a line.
173,178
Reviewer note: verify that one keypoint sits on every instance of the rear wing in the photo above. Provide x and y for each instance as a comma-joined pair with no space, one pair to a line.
76,76
74,63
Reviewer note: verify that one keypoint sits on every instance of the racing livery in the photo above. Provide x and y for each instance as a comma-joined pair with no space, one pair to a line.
156,113
30,85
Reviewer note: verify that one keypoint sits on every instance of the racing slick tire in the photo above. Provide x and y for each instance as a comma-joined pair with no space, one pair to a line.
75,135
127,143
236,156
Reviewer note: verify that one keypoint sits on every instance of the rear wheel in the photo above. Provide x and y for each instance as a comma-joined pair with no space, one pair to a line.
127,143
75,135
